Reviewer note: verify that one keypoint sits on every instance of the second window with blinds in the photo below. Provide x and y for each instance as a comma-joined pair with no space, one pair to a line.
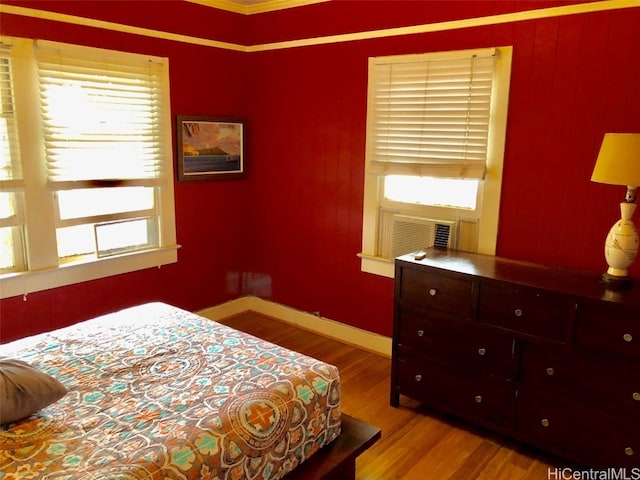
435,141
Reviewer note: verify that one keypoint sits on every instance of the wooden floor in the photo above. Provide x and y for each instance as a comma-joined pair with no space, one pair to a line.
414,445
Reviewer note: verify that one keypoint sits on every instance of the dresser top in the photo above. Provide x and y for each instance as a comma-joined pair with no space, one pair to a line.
557,279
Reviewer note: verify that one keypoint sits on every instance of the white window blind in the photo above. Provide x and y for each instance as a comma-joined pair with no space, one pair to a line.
430,117
10,171
11,181
101,116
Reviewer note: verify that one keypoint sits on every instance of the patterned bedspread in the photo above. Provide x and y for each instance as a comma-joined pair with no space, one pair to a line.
156,392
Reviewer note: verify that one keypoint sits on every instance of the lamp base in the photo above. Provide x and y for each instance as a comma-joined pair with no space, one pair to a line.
616,282
621,249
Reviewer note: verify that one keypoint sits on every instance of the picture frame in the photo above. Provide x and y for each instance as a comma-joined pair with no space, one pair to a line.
210,148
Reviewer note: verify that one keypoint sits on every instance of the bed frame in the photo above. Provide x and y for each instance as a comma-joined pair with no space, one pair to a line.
337,461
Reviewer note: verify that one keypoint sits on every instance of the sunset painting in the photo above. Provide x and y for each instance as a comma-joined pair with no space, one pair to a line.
209,148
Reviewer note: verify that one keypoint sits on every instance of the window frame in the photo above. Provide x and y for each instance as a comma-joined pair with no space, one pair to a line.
489,192
44,269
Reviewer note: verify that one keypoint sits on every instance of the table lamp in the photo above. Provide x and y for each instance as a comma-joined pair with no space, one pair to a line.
618,163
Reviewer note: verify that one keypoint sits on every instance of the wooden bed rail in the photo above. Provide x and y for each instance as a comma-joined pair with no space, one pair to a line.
337,461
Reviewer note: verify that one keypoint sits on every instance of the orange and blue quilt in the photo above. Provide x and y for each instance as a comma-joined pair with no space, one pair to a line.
156,392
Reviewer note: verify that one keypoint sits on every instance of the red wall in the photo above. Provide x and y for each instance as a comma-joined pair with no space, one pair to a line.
210,219
296,221
573,79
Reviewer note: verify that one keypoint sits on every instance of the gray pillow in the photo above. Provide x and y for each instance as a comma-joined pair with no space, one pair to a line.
25,390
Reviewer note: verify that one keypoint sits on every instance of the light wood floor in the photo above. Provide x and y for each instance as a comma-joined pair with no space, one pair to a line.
414,444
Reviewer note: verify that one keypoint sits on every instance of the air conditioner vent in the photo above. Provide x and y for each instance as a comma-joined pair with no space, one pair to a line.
401,234
442,235
410,236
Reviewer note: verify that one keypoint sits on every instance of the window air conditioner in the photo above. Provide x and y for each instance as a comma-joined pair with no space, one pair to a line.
401,234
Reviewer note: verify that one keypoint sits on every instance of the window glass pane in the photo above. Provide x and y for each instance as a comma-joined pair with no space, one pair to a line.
123,236
444,192
5,151
6,205
76,240
101,201
106,238
7,236
11,235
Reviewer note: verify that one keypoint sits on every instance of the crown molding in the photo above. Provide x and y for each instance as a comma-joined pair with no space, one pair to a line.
253,8
117,27
589,7
550,12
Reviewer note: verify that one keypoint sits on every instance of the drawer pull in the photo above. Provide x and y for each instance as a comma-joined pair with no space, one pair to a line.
550,371
518,312
482,352
418,378
627,337
545,422
432,292
478,398
628,451
420,333
636,396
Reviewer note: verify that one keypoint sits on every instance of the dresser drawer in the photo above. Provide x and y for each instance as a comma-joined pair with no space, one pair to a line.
488,402
611,330
527,311
436,291
589,381
460,346
585,434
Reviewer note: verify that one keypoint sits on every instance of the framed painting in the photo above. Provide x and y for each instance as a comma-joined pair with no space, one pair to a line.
210,148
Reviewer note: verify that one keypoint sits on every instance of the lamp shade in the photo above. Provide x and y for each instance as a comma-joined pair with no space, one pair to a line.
618,162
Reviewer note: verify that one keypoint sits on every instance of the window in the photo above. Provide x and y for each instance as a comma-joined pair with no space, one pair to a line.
86,167
11,185
435,139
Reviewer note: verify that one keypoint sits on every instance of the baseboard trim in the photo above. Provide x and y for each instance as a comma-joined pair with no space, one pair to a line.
323,326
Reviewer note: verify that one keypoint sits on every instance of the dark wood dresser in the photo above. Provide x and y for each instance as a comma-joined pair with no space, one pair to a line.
546,356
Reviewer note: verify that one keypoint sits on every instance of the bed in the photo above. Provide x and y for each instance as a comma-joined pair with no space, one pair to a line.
156,392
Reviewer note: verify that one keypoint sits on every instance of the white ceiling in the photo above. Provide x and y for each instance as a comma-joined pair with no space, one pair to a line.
254,6
249,2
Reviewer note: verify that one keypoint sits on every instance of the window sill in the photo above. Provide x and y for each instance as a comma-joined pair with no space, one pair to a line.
23,283
377,265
